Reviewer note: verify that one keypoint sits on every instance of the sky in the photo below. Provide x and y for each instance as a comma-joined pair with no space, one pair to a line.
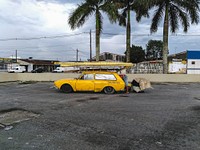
39,29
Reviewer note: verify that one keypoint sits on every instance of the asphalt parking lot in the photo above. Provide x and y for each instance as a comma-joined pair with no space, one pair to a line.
164,118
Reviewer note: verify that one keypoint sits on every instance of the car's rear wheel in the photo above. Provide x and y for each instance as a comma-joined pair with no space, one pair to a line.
66,88
109,90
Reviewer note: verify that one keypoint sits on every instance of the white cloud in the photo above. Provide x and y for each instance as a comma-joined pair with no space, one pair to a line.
38,18
39,15
23,19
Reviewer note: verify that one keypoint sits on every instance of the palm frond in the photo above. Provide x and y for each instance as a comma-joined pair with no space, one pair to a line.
183,17
78,17
157,18
111,10
173,19
141,9
193,10
122,17
191,7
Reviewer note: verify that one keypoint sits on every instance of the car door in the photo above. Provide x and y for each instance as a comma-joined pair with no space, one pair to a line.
102,80
85,83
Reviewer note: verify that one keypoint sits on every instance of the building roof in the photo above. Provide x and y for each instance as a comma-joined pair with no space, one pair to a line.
39,62
181,55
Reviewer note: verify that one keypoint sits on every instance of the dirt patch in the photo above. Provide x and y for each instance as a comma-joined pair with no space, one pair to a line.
81,100
197,98
89,99
27,82
196,108
123,95
15,115
93,98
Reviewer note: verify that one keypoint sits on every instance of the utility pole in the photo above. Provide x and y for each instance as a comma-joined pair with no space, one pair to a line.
90,45
16,55
77,55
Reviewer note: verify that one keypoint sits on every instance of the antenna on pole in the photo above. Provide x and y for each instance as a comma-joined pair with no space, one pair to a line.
90,45
77,55
16,55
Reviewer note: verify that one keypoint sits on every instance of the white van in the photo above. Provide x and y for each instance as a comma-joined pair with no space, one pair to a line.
17,69
65,69
59,69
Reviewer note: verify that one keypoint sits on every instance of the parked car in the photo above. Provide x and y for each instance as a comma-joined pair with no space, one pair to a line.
96,81
38,70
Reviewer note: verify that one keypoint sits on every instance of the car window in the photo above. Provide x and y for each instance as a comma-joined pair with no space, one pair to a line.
105,77
88,77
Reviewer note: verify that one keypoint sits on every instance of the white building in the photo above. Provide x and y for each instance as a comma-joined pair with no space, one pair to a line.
107,56
177,66
193,62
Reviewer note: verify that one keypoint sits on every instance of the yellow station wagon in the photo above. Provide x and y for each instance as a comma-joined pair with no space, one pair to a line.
108,82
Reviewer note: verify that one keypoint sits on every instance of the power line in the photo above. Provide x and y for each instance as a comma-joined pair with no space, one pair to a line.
112,34
48,46
43,37
76,34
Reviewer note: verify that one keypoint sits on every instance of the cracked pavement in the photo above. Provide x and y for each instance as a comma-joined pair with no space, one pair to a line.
164,118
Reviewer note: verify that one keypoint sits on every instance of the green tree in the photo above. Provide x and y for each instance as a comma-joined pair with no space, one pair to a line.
87,9
173,11
126,6
154,50
137,54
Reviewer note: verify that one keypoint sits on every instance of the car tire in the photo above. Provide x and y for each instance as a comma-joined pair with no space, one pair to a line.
66,88
109,90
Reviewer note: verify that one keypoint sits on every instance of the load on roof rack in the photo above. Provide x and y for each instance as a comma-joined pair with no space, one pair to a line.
113,66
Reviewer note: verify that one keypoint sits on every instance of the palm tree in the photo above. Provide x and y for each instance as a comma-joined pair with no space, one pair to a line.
173,11
87,9
126,6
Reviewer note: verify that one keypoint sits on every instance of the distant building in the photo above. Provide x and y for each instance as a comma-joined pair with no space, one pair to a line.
30,64
4,64
185,62
177,63
181,56
106,56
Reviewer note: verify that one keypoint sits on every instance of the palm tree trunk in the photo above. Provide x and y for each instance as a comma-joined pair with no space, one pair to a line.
165,41
128,35
97,37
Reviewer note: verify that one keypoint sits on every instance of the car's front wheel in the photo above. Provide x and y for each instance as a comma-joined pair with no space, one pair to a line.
66,88
109,90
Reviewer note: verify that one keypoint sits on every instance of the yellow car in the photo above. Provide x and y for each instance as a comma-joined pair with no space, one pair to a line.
108,82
